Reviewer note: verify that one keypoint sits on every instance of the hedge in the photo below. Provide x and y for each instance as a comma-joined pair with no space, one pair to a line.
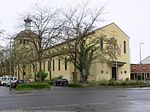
75,85
32,86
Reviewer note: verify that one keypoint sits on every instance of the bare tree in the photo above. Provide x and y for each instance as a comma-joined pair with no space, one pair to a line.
3,55
46,25
79,27
22,57
5,61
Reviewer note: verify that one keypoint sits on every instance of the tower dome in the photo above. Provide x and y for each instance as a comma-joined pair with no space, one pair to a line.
28,23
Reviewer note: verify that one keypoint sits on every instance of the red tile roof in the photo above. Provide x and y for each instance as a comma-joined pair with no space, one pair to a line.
27,33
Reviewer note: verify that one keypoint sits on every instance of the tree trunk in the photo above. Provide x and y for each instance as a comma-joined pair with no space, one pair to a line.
18,72
40,68
34,70
40,55
75,64
24,74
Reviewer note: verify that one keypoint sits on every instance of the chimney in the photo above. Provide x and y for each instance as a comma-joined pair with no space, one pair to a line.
27,23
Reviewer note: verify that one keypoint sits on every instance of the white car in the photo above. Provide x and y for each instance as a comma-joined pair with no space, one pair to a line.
3,80
6,81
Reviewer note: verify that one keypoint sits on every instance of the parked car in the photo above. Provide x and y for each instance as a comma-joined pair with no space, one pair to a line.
3,80
11,80
28,81
61,82
14,85
6,81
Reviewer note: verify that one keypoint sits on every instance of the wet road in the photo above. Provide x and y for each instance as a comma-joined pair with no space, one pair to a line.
77,100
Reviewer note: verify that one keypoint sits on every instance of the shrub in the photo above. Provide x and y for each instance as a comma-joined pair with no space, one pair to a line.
41,75
93,83
50,82
32,86
124,83
75,85
111,82
127,79
132,83
103,83
117,83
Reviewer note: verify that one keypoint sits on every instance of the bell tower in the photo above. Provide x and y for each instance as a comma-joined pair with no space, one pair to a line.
27,23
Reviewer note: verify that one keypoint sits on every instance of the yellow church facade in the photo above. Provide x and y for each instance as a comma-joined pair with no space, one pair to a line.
119,69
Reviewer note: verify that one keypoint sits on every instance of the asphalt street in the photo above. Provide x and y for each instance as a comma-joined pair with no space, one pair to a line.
63,99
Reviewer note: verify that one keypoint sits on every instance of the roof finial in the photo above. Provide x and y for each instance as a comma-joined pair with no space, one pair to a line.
28,23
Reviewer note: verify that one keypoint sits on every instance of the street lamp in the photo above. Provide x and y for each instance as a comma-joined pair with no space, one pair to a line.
140,59
10,64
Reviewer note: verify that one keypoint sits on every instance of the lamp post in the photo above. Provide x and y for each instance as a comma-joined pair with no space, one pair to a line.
140,59
10,65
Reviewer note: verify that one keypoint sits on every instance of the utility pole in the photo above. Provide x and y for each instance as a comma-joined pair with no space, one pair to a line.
10,65
140,59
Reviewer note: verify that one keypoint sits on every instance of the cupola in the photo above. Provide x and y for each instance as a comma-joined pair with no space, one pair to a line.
27,23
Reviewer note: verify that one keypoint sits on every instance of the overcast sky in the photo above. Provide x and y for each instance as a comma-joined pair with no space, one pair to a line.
132,16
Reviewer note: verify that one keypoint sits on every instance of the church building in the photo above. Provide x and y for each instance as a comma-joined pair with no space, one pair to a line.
118,70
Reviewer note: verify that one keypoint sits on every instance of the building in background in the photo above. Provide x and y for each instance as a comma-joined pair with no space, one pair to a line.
141,71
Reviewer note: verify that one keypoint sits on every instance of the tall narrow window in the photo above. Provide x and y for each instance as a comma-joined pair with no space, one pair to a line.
53,65
24,41
20,41
124,45
65,63
44,66
101,42
49,66
58,64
